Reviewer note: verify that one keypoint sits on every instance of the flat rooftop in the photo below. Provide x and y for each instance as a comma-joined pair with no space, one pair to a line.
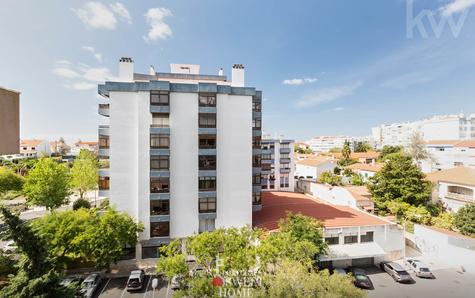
275,206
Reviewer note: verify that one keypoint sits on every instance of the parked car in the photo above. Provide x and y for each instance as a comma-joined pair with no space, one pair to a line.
340,271
90,284
361,280
397,272
9,247
419,268
72,279
136,280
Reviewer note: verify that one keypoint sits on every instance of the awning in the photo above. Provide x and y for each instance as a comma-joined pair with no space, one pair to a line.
353,251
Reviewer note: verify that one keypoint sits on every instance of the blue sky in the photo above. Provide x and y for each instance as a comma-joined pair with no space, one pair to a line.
325,67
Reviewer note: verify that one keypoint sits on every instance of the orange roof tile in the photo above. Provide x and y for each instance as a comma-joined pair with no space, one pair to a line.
275,206
458,175
466,143
366,167
358,155
442,142
30,143
314,161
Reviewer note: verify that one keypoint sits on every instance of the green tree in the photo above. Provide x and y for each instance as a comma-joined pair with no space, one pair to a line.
417,149
303,227
295,280
47,184
387,150
81,203
9,181
418,215
399,180
357,179
362,147
332,179
346,150
465,219
84,173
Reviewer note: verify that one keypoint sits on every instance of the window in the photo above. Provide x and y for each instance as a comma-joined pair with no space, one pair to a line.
207,100
256,106
256,198
332,240
351,239
367,238
207,162
160,185
207,120
103,142
284,145
160,207
285,156
160,229
160,120
206,225
284,180
207,141
256,124
160,162
104,183
266,156
207,205
256,142
158,141
256,161
266,167
207,183
159,98
458,164
150,252
256,179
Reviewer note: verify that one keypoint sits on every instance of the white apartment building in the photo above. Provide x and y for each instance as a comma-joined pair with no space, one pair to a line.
446,127
449,154
277,169
183,149
325,143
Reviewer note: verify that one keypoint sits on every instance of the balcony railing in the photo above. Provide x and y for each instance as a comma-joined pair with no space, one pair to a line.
459,197
104,109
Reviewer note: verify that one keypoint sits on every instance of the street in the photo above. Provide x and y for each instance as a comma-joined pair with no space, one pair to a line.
115,288
448,283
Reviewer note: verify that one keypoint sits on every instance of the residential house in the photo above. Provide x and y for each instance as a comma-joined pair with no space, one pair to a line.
81,145
313,167
35,148
365,170
447,154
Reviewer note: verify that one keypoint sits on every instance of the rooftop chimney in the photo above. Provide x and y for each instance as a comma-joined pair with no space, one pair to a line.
126,69
151,70
220,72
237,75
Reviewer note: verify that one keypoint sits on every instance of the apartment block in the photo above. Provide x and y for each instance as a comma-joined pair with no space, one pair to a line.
326,143
277,169
9,121
448,154
182,149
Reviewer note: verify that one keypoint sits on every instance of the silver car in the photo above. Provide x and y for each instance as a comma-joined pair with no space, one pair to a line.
420,269
397,272
90,284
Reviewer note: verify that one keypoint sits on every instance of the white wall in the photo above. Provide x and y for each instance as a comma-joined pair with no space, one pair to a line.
183,164
333,194
445,250
234,160
451,204
314,171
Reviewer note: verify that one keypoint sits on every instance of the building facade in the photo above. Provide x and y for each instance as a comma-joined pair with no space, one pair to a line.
446,127
9,121
183,150
35,148
326,143
277,170
449,154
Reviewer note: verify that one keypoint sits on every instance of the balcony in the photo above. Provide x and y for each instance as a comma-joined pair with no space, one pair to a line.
159,129
285,160
284,170
285,150
459,197
104,109
104,130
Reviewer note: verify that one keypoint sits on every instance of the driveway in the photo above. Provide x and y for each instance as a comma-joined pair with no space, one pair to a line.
447,284
115,288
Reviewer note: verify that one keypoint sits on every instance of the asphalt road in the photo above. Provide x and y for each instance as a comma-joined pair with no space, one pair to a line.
115,288
447,284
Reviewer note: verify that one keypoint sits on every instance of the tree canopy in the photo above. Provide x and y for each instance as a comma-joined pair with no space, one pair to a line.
399,180
362,147
9,181
417,149
47,184
387,150
330,178
465,219
84,173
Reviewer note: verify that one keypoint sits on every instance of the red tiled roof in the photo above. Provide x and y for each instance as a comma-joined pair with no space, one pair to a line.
466,143
30,143
358,155
275,206
366,167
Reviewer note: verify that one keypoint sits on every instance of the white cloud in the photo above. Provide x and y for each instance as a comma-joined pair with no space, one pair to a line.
300,81
121,11
158,28
97,15
81,86
456,6
328,94
337,109
91,50
99,74
63,62
65,73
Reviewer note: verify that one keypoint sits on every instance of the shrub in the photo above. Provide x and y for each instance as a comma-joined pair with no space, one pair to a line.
104,204
465,219
445,220
332,179
81,203
418,215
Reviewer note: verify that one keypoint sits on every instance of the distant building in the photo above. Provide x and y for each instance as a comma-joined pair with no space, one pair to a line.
455,187
35,148
80,145
446,127
9,121
354,237
313,167
326,143
365,170
369,157
449,154
59,147
277,165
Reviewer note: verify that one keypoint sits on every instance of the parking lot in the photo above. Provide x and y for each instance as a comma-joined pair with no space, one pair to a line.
448,283
115,288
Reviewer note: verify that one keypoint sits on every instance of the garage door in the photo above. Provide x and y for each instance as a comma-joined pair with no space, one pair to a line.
362,262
